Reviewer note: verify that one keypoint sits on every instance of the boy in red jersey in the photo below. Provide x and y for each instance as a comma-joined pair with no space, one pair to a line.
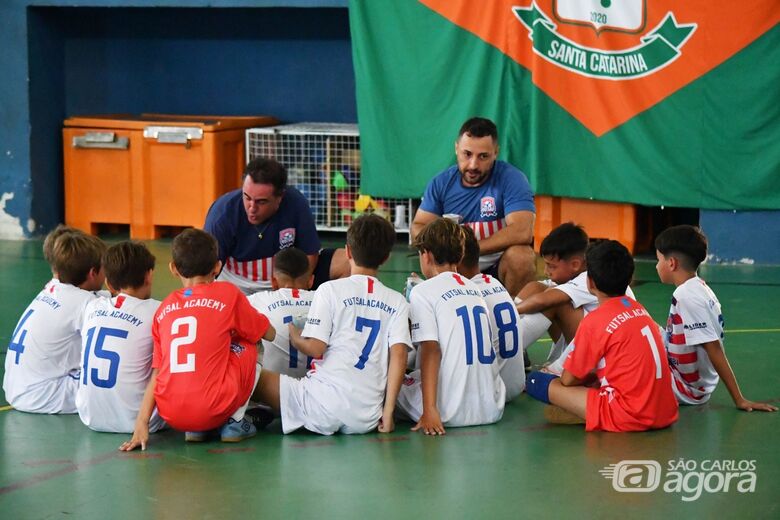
621,342
205,354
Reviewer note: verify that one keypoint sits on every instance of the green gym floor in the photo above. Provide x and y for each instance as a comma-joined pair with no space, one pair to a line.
54,467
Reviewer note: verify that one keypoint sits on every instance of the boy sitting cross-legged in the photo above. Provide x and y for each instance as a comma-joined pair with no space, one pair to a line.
42,366
507,336
458,383
205,355
117,343
357,331
290,299
621,343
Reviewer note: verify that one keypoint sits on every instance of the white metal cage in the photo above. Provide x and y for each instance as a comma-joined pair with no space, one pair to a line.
323,163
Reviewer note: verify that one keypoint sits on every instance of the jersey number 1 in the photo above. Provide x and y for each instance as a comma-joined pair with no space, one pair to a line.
648,334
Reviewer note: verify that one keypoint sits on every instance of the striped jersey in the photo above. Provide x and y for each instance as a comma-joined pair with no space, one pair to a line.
246,250
483,208
695,318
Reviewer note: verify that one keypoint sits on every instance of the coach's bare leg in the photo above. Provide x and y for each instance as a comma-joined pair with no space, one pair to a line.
267,389
339,264
517,267
573,399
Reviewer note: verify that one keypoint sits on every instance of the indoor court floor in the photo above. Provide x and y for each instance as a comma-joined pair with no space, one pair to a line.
714,462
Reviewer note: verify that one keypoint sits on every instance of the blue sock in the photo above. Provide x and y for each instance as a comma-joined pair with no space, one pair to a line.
537,385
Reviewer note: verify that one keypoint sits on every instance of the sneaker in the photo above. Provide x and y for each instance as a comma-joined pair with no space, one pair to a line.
237,431
260,417
196,436
557,415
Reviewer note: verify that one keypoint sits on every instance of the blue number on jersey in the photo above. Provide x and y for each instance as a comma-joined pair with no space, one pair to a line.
374,325
478,311
101,353
504,327
18,345
294,351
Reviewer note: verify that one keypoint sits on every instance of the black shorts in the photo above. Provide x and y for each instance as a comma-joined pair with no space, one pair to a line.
322,271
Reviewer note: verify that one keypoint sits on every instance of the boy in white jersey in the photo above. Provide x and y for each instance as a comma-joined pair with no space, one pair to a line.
507,336
559,304
117,343
359,328
290,299
458,383
694,330
42,364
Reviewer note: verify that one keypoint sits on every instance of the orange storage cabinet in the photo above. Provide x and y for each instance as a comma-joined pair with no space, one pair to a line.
150,171
611,220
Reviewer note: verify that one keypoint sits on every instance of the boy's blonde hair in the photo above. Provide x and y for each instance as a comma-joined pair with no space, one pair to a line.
444,239
74,255
54,234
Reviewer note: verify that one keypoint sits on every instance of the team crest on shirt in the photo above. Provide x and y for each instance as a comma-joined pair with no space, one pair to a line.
487,207
286,237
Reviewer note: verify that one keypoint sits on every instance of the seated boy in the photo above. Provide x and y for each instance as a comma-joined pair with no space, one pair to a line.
289,299
694,330
358,334
559,304
204,365
117,343
621,342
42,363
507,336
458,383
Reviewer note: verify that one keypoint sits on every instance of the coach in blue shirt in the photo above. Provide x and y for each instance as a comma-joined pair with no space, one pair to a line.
251,224
493,198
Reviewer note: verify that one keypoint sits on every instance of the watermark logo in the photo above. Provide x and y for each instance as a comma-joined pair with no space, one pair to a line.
688,478
634,476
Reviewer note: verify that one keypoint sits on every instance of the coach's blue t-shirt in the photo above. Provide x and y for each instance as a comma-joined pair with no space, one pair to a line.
247,258
482,208
505,191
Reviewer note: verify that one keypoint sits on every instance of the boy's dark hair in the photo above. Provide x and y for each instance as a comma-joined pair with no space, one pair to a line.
370,239
610,266
479,127
565,241
126,264
74,254
687,243
195,253
54,234
267,171
443,238
291,262
470,248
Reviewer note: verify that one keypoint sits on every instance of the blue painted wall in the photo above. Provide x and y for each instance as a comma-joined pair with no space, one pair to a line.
742,236
105,57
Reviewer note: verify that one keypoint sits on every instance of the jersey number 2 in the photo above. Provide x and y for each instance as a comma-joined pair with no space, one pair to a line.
192,330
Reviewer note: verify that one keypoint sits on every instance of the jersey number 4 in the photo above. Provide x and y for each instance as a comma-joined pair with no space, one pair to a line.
17,339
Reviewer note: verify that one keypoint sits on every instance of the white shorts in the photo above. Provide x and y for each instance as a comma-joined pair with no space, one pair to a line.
52,396
300,410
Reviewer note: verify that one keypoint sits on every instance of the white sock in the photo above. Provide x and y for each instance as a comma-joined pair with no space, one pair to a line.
533,327
238,415
556,367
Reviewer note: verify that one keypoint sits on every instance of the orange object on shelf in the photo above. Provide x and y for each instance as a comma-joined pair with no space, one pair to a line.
150,171
611,220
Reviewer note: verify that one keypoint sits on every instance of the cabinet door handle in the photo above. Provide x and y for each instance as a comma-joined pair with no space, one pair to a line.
108,140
